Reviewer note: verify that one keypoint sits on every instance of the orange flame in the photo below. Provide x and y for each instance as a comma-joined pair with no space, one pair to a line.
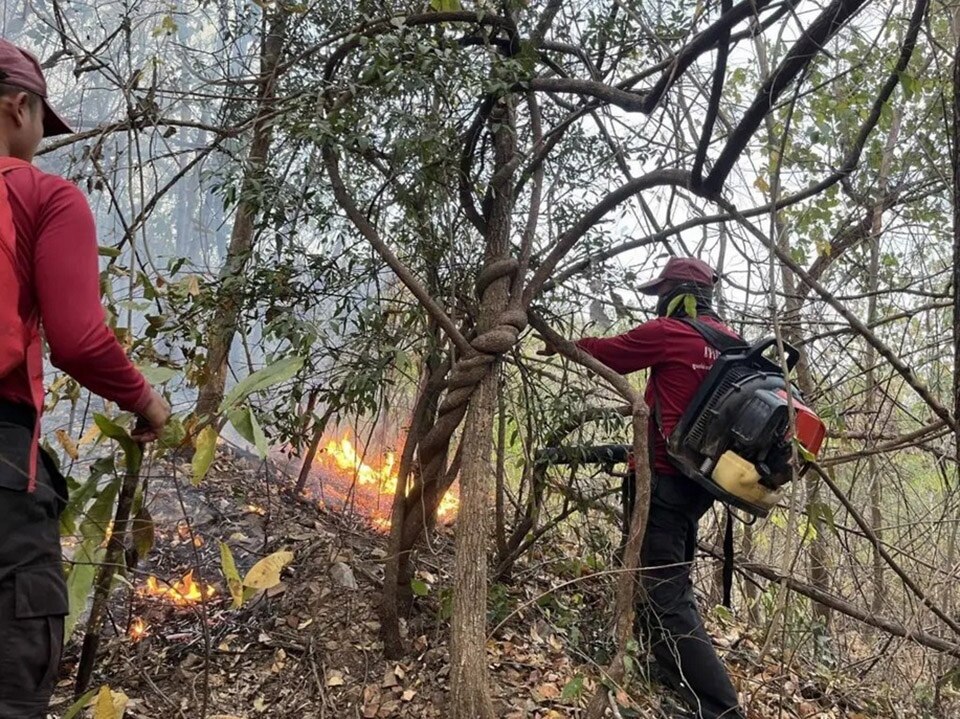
138,629
183,592
379,474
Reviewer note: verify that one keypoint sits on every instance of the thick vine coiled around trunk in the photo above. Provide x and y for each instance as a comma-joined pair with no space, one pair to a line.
466,376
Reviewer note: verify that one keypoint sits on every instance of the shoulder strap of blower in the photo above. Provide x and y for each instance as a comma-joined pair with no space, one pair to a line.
715,338
723,342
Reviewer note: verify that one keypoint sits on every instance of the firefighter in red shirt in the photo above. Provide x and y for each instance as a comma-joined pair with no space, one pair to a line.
50,247
679,359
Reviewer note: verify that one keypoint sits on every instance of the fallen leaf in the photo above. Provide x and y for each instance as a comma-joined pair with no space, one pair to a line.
389,679
408,695
265,574
334,679
388,709
548,691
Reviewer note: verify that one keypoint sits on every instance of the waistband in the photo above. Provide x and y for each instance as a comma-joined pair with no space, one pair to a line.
19,414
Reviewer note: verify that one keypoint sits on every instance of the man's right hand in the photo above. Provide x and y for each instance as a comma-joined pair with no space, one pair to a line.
156,414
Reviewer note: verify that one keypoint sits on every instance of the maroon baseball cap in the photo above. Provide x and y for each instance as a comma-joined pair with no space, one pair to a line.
21,69
681,269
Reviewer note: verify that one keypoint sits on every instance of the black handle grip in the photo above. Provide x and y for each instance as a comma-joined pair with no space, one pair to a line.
792,353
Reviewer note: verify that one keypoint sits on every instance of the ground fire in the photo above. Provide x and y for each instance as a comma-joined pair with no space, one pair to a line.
184,592
138,629
365,481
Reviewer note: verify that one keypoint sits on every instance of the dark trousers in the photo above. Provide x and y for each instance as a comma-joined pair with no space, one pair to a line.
33,594
670,618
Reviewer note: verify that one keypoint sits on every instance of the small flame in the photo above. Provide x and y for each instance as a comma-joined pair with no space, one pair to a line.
183,592
138,629
380,474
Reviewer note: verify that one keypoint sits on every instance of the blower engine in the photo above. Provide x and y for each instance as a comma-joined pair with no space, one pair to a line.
734,437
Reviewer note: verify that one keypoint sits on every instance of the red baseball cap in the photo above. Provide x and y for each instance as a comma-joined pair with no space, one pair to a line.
21,69
681,269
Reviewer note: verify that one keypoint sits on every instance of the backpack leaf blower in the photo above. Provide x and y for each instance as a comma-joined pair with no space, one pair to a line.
734,438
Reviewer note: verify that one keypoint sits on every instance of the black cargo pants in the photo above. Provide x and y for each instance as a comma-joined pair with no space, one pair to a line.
670,619
33,594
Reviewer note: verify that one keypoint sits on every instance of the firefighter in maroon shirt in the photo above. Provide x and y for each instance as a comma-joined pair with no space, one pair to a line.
679,359
57,271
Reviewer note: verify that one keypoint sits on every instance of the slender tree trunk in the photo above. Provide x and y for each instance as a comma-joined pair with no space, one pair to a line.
873,406
955,163
500,529
223,325
793,332
469,694
397,563
318,429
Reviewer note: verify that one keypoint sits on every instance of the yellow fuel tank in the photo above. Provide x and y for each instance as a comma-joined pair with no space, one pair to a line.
740,478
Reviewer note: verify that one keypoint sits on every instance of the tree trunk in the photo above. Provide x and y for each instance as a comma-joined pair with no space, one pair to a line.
396,571
223,325
469,695
873,406
793,331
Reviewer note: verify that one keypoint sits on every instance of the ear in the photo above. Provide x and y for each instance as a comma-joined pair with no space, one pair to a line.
20,106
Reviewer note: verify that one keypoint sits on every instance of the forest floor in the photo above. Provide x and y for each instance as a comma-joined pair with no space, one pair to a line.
309,648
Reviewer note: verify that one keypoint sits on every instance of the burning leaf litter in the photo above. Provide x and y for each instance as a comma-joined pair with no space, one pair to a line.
368,480
183,592
138,629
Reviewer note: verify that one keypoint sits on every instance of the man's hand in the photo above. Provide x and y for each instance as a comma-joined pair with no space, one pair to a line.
155,416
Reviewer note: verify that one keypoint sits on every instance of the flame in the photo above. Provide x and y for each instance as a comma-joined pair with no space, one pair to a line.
377,476
183,592
138,629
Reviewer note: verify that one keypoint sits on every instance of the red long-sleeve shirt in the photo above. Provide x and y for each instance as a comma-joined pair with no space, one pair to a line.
58,270
679,358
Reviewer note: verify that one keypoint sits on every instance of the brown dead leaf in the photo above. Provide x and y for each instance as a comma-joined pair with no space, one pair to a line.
408,695
334,679
548,691
389,679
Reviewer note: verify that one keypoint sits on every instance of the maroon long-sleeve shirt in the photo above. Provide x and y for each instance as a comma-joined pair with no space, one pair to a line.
679,359
58,270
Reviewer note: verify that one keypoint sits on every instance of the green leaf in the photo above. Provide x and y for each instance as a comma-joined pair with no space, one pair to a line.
173,434
108,251
80,704
819,512
79,497
689,305
572,690
143,531
230,573
804,453
674,303
274,373
157,375
89,554
206,450
247,426
420,588
131,450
